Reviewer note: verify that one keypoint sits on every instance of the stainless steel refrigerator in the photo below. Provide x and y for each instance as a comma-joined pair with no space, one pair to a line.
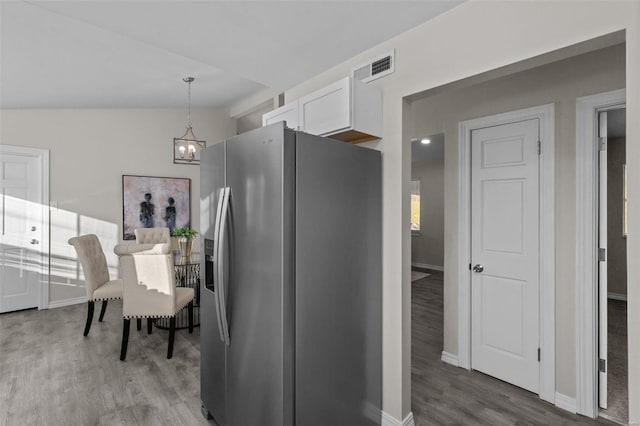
291,312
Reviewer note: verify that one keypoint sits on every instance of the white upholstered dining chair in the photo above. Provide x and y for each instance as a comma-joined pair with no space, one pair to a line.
149,289
98,284
152,235
160,235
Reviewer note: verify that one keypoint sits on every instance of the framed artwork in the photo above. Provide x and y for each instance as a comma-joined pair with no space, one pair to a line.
155,202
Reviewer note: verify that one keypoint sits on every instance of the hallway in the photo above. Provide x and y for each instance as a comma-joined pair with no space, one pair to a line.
442,394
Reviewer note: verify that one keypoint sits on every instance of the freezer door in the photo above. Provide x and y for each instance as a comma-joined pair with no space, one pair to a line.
259,299
212,348
338,283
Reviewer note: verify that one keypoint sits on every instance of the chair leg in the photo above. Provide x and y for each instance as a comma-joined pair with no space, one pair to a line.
172,335
87,326
102,310
125,338
190,309
139,324
149,325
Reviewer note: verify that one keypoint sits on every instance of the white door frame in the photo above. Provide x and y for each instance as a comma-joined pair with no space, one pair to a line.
587,244
42,155
546,115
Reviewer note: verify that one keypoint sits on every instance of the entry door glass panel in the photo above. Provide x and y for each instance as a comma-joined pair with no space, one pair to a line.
504,241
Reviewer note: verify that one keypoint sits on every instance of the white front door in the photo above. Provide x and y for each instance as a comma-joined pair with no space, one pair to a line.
22,222
505,252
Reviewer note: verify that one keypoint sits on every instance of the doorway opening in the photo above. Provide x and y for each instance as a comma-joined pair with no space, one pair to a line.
612,266
427,261
427,205
595,378
557,84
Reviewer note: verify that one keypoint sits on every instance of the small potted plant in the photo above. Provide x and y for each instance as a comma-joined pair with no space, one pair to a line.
185,240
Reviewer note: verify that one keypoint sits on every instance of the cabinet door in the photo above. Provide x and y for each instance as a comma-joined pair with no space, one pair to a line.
287,113
328,109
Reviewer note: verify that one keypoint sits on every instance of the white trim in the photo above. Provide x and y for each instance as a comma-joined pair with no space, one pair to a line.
67,302
389,420
617,296
450,358
428,266
43,156
586,245
566,402
546,115
464,245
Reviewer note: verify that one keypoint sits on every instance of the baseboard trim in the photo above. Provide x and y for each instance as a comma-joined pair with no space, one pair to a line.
566,403
67,302
389,420
450,358
428,266
617,296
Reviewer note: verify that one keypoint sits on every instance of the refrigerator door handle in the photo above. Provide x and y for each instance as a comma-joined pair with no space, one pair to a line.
216,262
224,220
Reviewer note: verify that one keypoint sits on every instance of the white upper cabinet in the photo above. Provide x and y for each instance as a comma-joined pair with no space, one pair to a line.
348,110
287,113
327,110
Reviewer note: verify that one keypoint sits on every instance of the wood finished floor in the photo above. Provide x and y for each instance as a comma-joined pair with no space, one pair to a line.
51,375
617,394
442,394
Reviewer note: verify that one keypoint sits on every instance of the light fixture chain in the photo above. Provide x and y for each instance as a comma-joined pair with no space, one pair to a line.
189,113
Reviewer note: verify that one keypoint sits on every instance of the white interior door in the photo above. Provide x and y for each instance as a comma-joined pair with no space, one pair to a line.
602,261
22,225
505,252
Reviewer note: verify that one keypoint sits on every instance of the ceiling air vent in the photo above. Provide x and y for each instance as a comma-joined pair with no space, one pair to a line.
376,68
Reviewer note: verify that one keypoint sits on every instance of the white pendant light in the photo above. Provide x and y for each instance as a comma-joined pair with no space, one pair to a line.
186,148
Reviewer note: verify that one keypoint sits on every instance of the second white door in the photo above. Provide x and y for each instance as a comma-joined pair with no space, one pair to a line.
23,257
505,252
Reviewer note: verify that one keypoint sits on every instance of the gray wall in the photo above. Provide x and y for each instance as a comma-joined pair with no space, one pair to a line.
616,243
90,150
253,120
561,83
441,52
428,246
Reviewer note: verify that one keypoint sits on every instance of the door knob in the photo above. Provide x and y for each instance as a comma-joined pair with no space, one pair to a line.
34,241
478,268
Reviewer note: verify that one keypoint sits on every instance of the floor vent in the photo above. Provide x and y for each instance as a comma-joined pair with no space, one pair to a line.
378,67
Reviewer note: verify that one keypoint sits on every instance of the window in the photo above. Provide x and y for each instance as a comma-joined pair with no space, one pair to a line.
415,206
